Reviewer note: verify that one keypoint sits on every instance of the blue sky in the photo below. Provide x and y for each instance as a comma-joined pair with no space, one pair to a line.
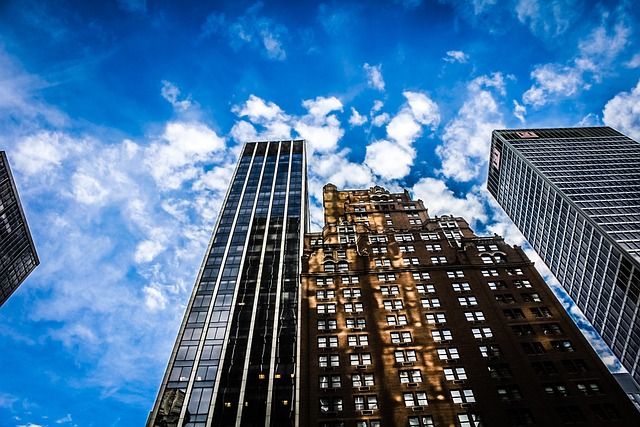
122,122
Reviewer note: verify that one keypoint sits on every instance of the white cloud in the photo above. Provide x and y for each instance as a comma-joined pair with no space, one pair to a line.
634,62
440,200
519,111
374,76
356,118
550,82
548,19
622,112
389,160
380,119
154,299
456,56
320,129
467,137
171,93
258,110
377,106
174,159
43,152
87,189
423,108
403,128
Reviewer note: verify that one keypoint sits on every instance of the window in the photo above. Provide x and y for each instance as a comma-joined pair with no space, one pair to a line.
326,360
491,350
419,398
349,280
342,254
485,248
574,366
421,275
589,387
407,248
353,307
382,262
379,250
468,301
558,389
499,370
387,277
327,324
531,297
421,421
447,225
487,259
482,332
357,340
360,359
324,281
430,303
326,308
453,374
358,322
400,337
325,294
570,414
433,247
393,304
474,316
441,334
551,329
510,393
405,356
496,285
327,341
523,330
389,222
362,380
329,267
351,293
330,404
433,318
541,312
411,261
365,402
404,238
461,287
513,314
415,222
399,320
329,381
544,368
520,416
522,284
438,260
410,376
448,353
429,236
514,271
505,299
455,274
462,396
389,290
533,347
604,411
470,420
489,273
377,239
343,266
425,288
564,346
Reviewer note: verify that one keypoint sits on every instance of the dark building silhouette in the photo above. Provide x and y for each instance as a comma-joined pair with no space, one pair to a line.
235,361
409,320
575,195
18,255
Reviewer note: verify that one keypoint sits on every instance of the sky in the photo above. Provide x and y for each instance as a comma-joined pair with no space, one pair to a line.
122,121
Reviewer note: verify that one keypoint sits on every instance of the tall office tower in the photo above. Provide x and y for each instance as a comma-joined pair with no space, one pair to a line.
575,195
235,360
415,321
18,255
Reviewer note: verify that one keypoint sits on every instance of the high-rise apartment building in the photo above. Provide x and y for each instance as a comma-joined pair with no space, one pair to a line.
18,255
235,362
409,320
575,195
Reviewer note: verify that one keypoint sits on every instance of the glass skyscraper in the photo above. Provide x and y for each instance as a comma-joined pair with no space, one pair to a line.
235,361
18,255
575,195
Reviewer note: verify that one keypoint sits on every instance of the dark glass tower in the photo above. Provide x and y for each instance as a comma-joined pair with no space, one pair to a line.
18,255
414,321
575,195
235,362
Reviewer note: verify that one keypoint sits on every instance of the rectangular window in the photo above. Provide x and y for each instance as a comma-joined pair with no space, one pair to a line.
382,262
419,398
405,356
455,274
324,281
433,318
500,370
429,236
514,271
394,304
360,359
482,332
430,303
470,420
326,308
400,337
330,404
379,250
399,320
531,297
326,360
461,287
387,277
327,341
505,299
404,238
563,346
325,294
436,260
330,381
377,239
540,312
365,402
357,340
358,322
441,334
492,350
425,288
421,275
389,290
410,376
468,301
433,247
362,380
513,314
496,285
462,396
474,316
411,261
349,280
522,284
452,374
352,293
327,324
448,353
489,273
407,248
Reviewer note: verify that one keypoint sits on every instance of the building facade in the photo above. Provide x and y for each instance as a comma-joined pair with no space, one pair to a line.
575,195
18,255
235,362
409,320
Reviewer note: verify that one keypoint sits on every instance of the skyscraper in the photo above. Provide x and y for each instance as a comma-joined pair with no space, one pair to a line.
575,195
18,255
409,320
235,362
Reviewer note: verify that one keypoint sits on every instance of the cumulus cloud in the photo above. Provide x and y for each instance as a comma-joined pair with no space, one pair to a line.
374,76
440,200
320,128
466,139
389,160
44,152
356,118
171,93
380,119
456,56
552,81
622,112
